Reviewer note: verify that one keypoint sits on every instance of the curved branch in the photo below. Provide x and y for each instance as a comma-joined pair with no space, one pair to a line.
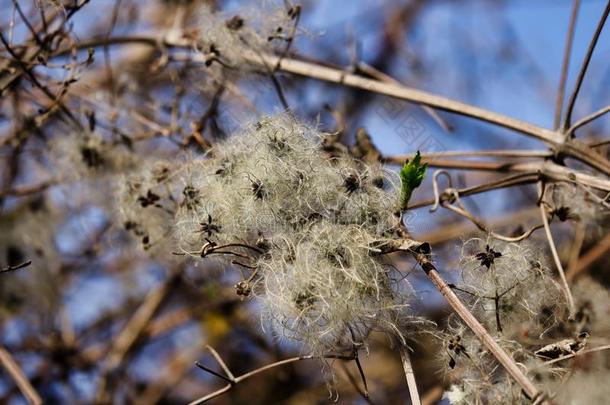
585,65
587,119
318,71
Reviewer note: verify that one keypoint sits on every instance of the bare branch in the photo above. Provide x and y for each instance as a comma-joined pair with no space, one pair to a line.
17,267
565,64
587,119
549,237
547,169
583,68
586,260
557,140
236,380
13,369
579,353
409,375
507,153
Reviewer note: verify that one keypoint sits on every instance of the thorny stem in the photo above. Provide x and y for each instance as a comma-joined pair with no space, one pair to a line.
549,237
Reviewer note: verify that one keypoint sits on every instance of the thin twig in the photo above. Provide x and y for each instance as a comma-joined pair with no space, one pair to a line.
16,267
26,190
565,64
236,380
584,66
508,153
27,23
549,237
587,119
579,239
581,352
134,328
578,150
16,373
599,143
592,255
548,169
174,370
352,380
409,375
377,74
503,182
460,209
433,395
456,230
27,71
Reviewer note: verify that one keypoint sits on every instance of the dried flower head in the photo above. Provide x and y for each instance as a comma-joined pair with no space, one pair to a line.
509,287
570,202
233,40
302,226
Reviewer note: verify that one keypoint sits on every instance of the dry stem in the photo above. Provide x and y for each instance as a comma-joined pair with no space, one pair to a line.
13,369
549,237
409,375
232,380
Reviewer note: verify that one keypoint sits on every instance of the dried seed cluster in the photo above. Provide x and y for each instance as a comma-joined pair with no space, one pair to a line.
509,289
304,228
231,40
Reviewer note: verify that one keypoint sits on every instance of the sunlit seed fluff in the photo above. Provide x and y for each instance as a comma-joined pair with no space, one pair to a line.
322,287
584,387
592,308
509,287
85,155
476,376
230,38
146,203
319,280
272,177
573,203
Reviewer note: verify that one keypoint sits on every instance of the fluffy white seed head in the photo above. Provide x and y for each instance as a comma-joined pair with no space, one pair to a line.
233,39
573,203
304,221
323,287
509,287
